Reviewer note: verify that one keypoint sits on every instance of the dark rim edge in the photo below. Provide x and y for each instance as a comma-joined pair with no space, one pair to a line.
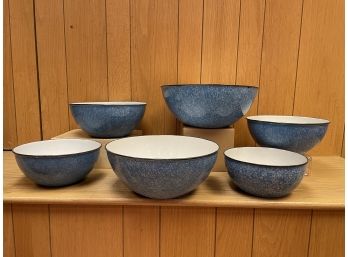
205,85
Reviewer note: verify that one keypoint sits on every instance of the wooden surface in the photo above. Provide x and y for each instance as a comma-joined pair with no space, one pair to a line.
323,189
125,49
8,246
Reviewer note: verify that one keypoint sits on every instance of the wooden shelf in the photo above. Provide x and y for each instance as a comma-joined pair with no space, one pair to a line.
323,189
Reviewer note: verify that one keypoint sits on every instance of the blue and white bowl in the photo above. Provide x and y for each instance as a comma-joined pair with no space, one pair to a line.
58,162
108,119
293,133
265,172
162,167
210,105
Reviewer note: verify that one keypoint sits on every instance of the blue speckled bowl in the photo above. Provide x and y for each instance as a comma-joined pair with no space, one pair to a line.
209,106
108,119
162,167
265,172
58,162
293,133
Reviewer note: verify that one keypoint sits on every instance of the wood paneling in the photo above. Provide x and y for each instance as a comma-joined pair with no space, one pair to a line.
8,246
25,71
10,126
86,231
187,232
31,229
154,28
234,232
141,231
320,78
52,67
118,49
327,234
85,35
281,233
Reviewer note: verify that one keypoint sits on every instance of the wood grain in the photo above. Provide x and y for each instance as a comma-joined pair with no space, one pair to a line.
118,49
10,126
141,231
31,230
249,59
327,234
320,78
281,233
85,32
187,232
279,56
9,245
234,232
220,41
154,28
25,71
52,67
86,231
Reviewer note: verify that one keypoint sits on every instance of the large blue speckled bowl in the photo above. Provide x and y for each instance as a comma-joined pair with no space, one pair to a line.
265,172
293,133
108,119
209,106
58,162
162,167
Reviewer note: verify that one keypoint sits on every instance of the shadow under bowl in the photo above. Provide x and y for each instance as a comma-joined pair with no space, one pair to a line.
55,163
162,167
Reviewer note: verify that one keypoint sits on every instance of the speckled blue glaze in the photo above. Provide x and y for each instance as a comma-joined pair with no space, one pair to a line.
162,179
293,137
54,171
209,106
107,121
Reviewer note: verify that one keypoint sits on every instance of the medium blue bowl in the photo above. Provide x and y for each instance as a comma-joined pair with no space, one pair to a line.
209,106
58,162
265,172
293,133
108,119
162,167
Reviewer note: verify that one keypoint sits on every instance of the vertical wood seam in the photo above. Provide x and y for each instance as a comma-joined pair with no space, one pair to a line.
159,229
123,230
237,55
130,49
107,50
202,37
177,122
49,228
310,232
215,229
343,139
13,232
253,235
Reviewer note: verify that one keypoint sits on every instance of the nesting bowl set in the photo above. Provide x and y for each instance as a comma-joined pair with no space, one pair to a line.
169,166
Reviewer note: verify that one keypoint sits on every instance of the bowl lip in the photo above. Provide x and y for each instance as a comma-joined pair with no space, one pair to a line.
164,159
208,85
320,121
60,155
266,165
105,103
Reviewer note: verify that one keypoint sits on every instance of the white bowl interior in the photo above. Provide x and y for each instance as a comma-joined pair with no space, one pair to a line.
57,147
287,119
266,156
162,147
110,103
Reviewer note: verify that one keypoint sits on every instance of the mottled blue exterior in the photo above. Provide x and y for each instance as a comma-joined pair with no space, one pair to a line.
209,106
107,121
54,171
298,138
264,181
162,179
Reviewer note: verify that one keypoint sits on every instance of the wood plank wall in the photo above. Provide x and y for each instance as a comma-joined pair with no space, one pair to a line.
61,51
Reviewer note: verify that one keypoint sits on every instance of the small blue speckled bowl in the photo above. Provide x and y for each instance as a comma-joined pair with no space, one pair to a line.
293,133
162,167
58,162
108,119
209,106
265,172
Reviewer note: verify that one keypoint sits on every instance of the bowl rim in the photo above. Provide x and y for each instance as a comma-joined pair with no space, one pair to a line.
113,103
319,120
266,165
58,155
164,159
208,85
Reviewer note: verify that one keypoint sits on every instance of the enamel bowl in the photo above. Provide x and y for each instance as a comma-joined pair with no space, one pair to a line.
265,172
209,106
293,133
162,167
108,119
57,162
